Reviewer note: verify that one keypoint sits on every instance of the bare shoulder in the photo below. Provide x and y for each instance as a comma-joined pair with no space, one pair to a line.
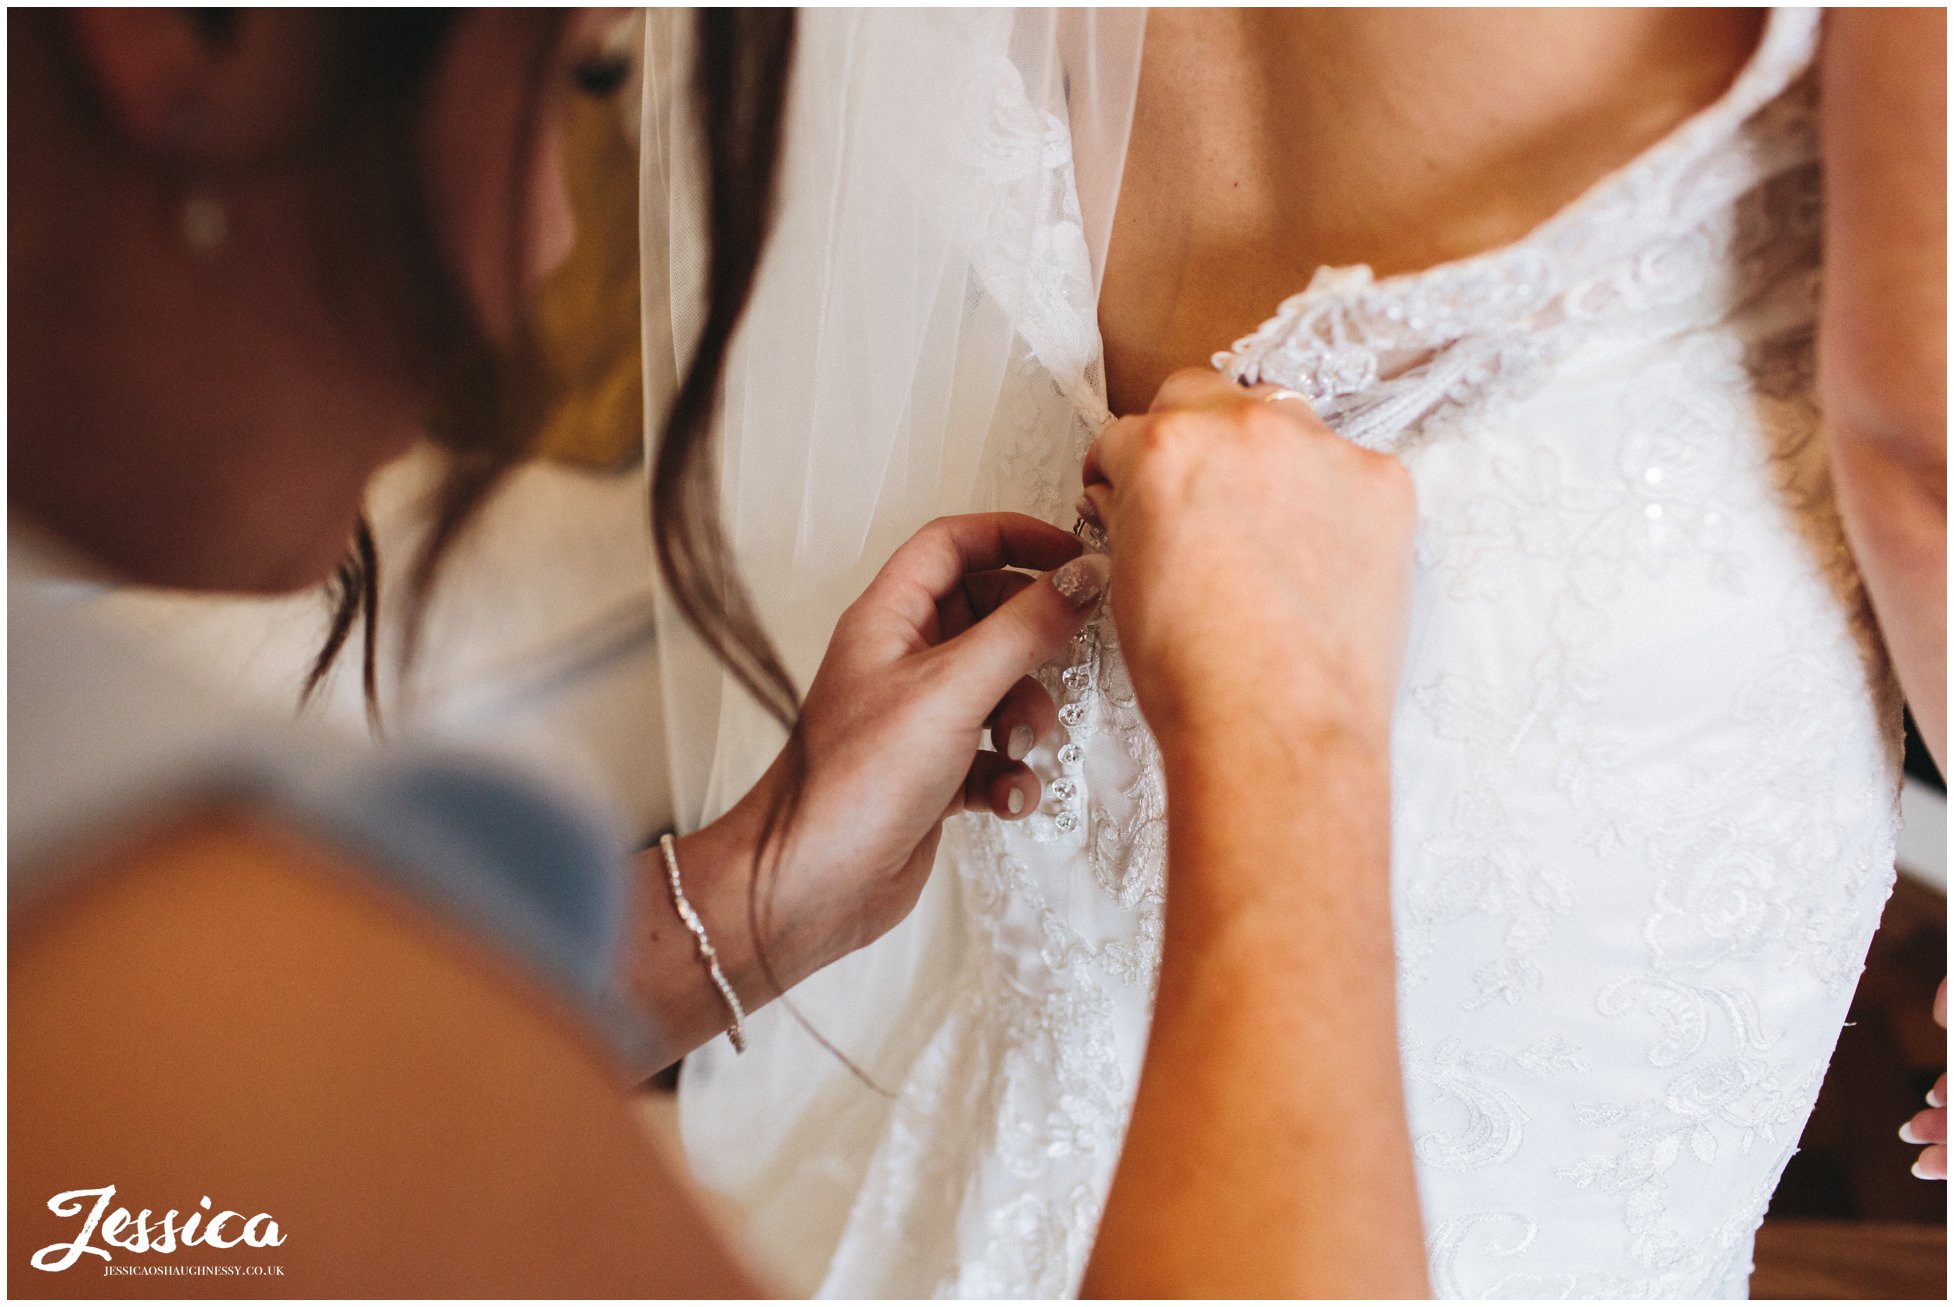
226,1010
1270,142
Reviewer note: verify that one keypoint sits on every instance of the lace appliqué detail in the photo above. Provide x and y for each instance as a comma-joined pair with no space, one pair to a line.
1644,771
1378,357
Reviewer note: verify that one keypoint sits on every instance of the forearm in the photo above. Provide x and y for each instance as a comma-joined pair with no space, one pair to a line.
667,979
1895,514
1882,340
394,1094
1268,1153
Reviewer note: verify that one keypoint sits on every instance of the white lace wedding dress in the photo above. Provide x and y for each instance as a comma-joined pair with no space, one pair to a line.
1645,774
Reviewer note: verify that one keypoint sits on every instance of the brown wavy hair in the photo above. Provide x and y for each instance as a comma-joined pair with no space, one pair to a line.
492,410
739,87
741,63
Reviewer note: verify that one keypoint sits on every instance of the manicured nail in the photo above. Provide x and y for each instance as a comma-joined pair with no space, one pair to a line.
1016,802
1019,743
1083,579
1935,1097
1907,1135
1919,1174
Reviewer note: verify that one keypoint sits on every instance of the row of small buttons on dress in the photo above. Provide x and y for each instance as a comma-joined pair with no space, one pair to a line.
1063,812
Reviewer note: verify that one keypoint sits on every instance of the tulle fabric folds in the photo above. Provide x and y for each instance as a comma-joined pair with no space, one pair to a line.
922,340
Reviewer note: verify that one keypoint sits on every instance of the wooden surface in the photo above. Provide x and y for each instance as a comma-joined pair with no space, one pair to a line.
1849,1220
1850,1259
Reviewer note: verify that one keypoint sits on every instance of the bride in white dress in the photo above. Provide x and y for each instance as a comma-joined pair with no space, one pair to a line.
1645,753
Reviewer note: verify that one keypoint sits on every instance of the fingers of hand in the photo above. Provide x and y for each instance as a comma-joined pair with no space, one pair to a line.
1026,631
1001,787
1023,717
1096,506
980,595
1125,445
943,553
1238,409
1196,388
1110,451
1930,1127
1285,399
1926,1127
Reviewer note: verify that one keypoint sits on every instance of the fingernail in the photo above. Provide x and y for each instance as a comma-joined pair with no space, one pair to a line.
1019,743
1907,1135
1083,579
1919,1174
1083,507
1016,801
1935,1097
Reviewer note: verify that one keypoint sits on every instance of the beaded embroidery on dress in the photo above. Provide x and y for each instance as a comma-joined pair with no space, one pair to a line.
1645,774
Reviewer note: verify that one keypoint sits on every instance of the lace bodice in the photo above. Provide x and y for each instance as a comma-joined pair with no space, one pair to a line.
1644,772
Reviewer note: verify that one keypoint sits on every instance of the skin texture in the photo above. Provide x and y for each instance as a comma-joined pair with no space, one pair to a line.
231,1011
1883,335
1269,142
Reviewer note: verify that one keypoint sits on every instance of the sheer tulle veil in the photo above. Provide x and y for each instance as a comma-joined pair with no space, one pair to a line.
925,319
933,228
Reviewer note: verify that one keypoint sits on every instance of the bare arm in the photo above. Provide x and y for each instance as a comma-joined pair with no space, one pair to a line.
1260,574
1268,1153
229,1012
1883,330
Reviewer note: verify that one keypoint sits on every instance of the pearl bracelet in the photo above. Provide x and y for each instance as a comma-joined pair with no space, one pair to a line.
707,953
